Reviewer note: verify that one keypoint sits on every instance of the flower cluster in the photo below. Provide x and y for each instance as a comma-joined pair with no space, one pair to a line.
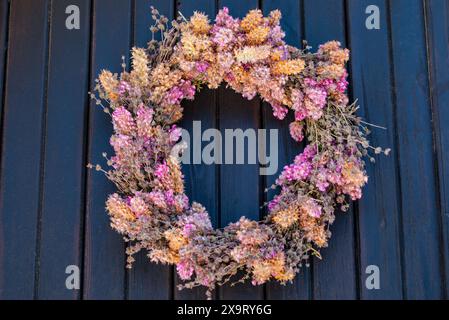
252,58
150,207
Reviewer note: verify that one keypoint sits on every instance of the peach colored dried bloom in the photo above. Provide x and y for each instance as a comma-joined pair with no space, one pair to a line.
288,67
252,54
331,71
275,17
330,46
252,20
139,207
199,23
263,270
287,217
163,256
193,45
339,57
140,69
175,239
118,208
285,275
258,35
109,83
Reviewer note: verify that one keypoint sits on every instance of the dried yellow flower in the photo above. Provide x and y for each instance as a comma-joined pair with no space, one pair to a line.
193,45
140,72
164,256
352,174
109,83
118,209
253,19
275,17
258,35
285,275
252,54
276,55
339,57
175,239
286,218
331,71
288,67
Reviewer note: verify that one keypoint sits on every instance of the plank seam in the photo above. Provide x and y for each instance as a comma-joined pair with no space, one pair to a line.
44,101
83,202
88,139
3,93
435,123
396,148
132,10
355,207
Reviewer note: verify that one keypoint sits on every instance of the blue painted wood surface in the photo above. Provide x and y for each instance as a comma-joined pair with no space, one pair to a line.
378,217
104,257
52,209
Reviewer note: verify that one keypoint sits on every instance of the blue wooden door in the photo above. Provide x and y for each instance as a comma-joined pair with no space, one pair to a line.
52,209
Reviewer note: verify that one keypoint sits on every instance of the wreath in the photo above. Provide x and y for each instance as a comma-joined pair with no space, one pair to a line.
151,209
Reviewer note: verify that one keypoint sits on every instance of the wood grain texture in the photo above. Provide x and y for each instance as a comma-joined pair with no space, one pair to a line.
324,21
104,258
379,209
64,170
22,143
420,222
437,26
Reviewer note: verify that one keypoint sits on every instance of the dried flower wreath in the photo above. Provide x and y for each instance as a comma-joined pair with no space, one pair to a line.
151,209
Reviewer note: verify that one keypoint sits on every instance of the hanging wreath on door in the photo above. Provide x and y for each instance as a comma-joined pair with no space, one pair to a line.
151,209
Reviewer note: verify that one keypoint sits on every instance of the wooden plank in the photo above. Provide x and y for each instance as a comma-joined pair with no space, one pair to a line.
422,269
292,17
335,276
437,15
239,184
4,21
200,179
63,180
104,260
22,141
379,209
147,280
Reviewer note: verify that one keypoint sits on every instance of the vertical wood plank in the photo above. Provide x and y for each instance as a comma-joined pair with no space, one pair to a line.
379,209
104,261
292,18
335,276
422,264
147,280
63,176
239,184
200,179
21,156
437,16
4,21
